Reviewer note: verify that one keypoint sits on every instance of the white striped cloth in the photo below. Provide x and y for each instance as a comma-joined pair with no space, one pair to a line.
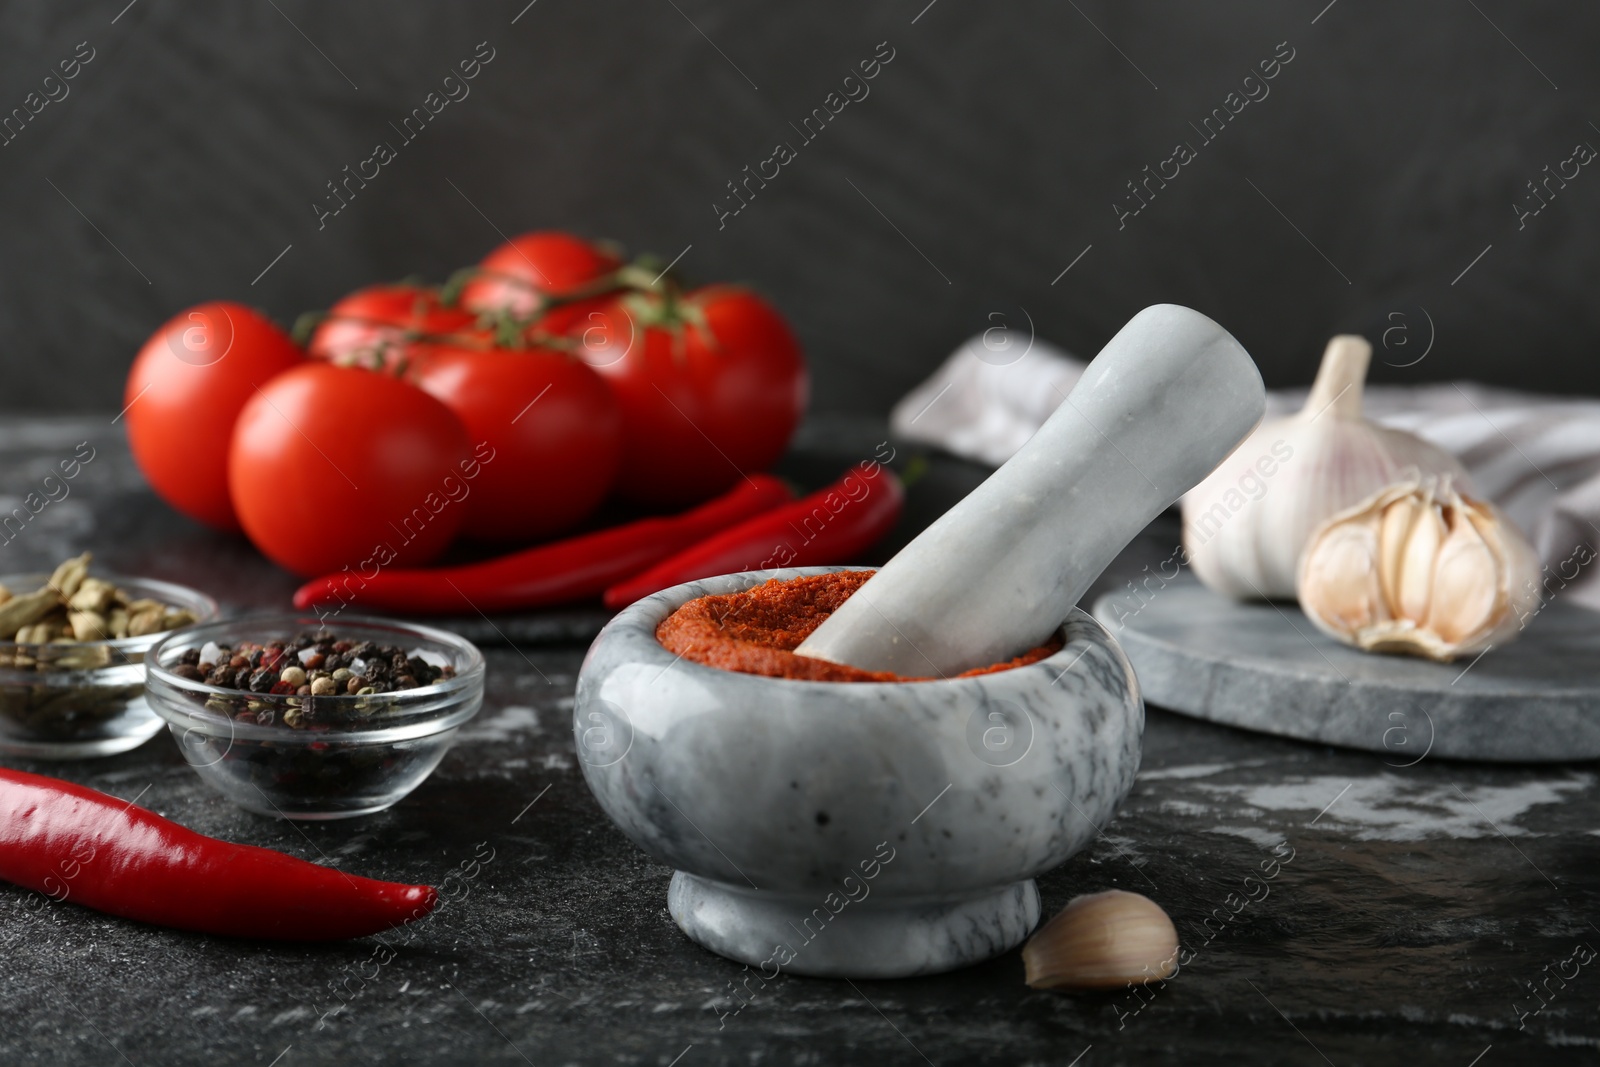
1537,457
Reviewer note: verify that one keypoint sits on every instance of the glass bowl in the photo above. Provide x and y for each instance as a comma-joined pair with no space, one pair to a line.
84,698
357,755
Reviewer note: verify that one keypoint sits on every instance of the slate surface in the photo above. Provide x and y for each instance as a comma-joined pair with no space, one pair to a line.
1266,667
1417,905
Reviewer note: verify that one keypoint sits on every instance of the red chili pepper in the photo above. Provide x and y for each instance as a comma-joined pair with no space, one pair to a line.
555,573
832,525
75,844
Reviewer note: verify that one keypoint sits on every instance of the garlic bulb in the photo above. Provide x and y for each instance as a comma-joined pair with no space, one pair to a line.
1102,941
1245,525
1418,568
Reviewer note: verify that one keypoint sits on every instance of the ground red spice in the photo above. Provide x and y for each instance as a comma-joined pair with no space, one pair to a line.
757,631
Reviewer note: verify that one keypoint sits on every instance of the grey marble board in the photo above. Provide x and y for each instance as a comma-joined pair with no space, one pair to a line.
1266,667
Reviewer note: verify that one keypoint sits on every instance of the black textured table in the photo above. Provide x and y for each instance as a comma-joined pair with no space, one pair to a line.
1395,913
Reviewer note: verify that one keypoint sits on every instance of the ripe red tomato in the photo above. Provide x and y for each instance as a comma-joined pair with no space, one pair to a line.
184,392
376,325
518,273
333,466
711,384
553,424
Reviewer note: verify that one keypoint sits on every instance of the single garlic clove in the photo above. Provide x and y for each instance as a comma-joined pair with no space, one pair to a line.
1102,941
1414,583
1468,590
1522,567
1394,528
1345,586
1395,524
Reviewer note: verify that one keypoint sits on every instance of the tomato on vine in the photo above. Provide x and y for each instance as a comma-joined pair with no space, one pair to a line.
516,278
554,426
711,385
376,326
333,466
184,392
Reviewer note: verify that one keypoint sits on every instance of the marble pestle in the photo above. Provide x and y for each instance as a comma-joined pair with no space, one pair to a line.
1166,400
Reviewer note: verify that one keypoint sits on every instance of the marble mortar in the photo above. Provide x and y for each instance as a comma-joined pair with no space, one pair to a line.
854,830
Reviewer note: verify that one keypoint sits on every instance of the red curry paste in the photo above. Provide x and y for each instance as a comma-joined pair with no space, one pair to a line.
757,631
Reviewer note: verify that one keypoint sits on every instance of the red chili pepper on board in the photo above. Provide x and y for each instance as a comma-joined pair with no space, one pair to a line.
75,844
832,525
554,573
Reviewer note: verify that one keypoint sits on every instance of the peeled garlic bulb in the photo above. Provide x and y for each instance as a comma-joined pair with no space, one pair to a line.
1102,941
1245,525
1420,569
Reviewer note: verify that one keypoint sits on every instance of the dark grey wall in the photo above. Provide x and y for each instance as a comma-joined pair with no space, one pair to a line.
1387,156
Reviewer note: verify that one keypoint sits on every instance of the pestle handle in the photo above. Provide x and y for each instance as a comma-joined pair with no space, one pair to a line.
1166,400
